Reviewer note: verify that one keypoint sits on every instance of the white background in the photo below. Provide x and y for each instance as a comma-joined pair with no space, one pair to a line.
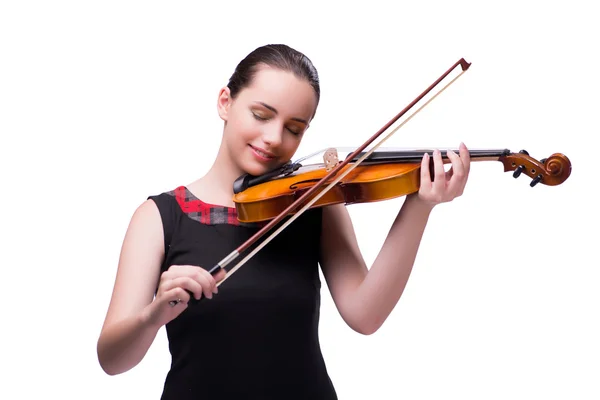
104,103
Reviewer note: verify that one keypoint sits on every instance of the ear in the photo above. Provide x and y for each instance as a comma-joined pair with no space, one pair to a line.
224,102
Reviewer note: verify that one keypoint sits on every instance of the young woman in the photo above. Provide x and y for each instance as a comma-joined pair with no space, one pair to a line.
257,336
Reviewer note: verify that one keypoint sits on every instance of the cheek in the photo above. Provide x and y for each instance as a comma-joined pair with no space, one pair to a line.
243,129
291,144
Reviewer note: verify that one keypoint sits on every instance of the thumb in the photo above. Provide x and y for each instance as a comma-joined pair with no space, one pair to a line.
219,276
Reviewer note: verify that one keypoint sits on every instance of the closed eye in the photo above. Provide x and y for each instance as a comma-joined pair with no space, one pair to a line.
292,131
258,117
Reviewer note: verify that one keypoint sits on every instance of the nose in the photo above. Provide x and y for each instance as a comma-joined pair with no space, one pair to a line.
272,134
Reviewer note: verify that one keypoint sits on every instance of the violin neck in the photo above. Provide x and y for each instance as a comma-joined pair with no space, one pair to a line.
415,156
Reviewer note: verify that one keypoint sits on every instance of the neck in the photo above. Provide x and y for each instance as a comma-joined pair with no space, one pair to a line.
216,186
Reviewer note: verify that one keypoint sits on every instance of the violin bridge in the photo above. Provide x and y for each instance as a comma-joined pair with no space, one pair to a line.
330,158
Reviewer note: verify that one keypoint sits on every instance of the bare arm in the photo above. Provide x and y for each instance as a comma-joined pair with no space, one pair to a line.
128,332
366,297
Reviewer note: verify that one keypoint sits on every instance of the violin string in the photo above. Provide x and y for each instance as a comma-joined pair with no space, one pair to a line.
335,181
309,156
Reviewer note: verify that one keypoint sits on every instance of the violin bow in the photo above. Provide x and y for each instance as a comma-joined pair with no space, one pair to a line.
243,247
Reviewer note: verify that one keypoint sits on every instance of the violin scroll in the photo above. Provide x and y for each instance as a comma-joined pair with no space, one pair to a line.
550,171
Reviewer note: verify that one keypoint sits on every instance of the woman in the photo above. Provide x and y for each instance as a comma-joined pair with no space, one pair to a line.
257,337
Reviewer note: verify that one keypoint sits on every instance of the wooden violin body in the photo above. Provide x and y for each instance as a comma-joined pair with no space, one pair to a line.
383,175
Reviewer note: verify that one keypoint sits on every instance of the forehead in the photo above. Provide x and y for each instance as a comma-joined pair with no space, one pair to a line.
290,95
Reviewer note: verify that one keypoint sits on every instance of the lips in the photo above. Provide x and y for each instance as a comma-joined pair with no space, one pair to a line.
262,153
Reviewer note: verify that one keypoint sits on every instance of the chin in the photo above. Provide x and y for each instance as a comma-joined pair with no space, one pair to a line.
255,169
254,166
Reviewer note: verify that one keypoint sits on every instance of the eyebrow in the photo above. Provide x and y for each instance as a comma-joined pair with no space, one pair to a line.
275,111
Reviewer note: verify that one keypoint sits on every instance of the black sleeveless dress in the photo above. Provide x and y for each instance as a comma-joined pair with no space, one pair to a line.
258,337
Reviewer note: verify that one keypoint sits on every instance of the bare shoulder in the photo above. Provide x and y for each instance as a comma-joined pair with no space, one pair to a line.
139,264
146,216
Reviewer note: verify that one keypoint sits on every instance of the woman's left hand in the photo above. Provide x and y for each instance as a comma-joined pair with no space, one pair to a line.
446,186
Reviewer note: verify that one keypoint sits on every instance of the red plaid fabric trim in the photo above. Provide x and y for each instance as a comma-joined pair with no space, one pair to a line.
205,213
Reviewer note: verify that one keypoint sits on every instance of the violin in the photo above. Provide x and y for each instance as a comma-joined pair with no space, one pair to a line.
362,176
383,175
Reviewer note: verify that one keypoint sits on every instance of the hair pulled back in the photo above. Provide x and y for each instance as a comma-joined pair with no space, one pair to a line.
278,56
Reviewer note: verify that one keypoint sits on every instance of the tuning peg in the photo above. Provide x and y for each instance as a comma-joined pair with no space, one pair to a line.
518,171
536,180
543,160
524,152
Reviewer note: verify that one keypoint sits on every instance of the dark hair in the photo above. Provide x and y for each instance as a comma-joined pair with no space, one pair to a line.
277,56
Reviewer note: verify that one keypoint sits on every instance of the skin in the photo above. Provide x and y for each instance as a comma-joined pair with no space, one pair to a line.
266,116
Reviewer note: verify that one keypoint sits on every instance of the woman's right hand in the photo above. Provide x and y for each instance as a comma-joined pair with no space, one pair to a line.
177,285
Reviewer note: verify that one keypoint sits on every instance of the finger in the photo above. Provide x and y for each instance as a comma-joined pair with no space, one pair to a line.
219,276
176,296
449,174
207,281
172,278
425,172
185,270
465,156
455,183
216,277
439,181
187,283
176,271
